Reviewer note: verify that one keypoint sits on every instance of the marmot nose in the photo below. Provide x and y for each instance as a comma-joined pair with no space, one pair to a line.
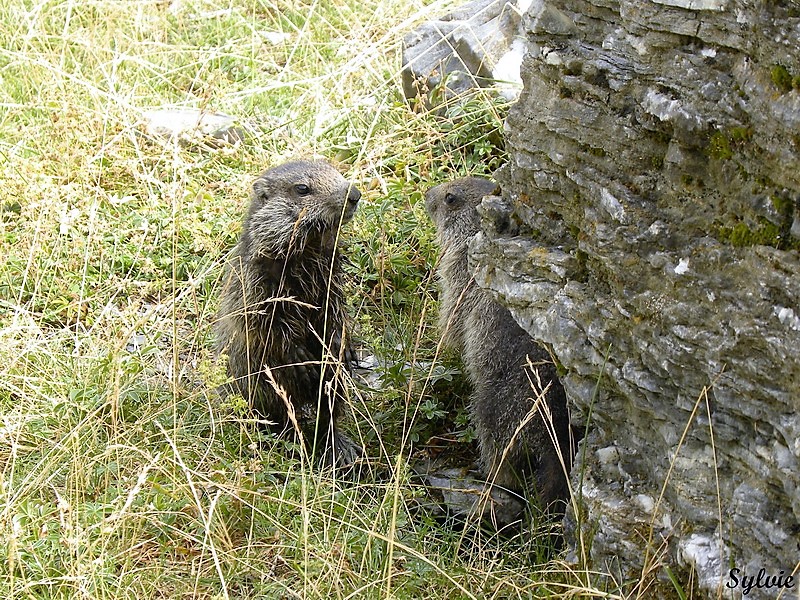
353,196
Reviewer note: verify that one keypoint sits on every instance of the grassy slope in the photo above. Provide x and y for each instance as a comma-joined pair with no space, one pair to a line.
121,474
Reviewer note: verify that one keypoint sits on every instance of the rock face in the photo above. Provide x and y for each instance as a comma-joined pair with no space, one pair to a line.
654,174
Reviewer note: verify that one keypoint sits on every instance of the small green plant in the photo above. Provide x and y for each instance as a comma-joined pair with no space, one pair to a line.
723,144
781,78
719,147
472,127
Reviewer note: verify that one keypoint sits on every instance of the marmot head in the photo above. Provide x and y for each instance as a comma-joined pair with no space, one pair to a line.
296,204
451,206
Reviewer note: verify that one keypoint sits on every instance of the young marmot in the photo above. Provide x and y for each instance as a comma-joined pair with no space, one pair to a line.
515,454
282,319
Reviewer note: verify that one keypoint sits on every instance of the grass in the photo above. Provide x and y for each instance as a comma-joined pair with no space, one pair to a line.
122,474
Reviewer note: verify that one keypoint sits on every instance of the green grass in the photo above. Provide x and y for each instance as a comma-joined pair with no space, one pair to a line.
122,474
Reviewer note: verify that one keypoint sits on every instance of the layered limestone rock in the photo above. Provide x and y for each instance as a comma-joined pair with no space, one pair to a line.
654,175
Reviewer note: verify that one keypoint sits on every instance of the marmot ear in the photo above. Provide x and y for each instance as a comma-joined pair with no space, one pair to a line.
260,189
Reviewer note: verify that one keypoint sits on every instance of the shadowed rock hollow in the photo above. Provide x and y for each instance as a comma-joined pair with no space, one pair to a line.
654,175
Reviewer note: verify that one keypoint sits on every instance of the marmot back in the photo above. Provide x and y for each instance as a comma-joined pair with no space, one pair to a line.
282,320
516,442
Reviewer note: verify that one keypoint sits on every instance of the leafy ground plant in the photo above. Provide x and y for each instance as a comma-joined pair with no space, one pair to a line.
122,474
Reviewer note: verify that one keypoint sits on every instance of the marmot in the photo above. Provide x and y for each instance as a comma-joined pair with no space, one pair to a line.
496,351
282,319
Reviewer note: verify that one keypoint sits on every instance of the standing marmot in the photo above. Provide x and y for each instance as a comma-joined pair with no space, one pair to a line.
281,319
496,351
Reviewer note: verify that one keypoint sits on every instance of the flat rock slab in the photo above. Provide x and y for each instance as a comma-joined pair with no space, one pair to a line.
460,492
190,126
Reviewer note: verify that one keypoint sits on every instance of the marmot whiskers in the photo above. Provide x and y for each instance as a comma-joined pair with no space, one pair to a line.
282,319
515,454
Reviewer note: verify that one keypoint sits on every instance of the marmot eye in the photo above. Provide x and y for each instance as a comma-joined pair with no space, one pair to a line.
302,189
450,198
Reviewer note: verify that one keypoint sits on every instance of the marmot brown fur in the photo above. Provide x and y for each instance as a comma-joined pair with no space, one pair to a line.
282,319
496,350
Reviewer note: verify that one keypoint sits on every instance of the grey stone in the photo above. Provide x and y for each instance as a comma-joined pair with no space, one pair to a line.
192,126
546,18
457,491
648,233
473,46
